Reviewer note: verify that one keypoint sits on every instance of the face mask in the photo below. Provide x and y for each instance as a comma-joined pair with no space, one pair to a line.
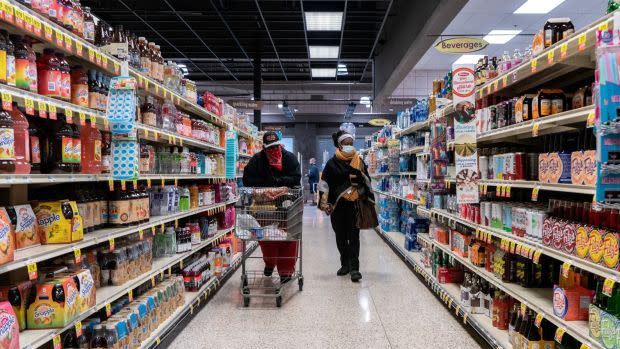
348,149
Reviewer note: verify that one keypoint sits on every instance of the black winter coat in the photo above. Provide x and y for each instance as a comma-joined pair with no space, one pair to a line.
336,175
258,172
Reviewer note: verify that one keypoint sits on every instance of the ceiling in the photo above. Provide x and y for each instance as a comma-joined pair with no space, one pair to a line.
479,17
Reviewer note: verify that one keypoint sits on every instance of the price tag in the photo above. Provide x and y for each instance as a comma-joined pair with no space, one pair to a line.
484,189
123,185
465,316
156,135
523,309
146,84
512,247
130,295
59,38
604,26
28,22
98,58
111,242
141,235
32,271
538,320
117,68
91,54
180,142
135,184
93,121
19,18
152,281
500,191
8,12
78,47
536,258
495,85
581,41
52,112
535,129
78,328
565,269
56,342
68,42
153,231
47,31
534,64
518,249
181,264
156,89
162,182
106,123
29,106
176,182
535,193
191,309
108,310
162,227
550,55
7,101
104,61
608,286
169,270
148,183
77,253
161,274
82,118
559,333
507,191
111,184
504,81
584,346
590,121
176,223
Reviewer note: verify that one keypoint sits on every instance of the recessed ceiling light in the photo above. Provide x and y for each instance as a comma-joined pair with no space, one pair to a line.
323,72
365,100
324,51
468,59
499,36
323,21
538,6
279,105
342,69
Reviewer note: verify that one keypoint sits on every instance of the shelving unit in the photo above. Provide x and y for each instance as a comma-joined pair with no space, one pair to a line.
559,187
413,150
394,196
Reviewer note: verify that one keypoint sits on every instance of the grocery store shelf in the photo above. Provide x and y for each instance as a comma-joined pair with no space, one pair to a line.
107,295
244,155
423,211
560,187
425,154
413,150
159,135
37,254
539,300
394,196
12,179
412,173
449,294
385,174
539,70
532,245
193,300
417,126
547,125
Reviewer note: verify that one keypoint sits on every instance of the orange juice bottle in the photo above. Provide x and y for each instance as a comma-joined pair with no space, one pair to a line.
91,149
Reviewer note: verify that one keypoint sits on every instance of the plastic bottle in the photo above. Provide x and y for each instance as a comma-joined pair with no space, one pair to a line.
65,77
78,18
76,156
506,61
59,154
7,143
22,78
93,89
49,75
145,60
79,87
98,339
65,14
35,147
184,195
89,26
22,141
2,58
10,59
106,149
32,64
91,149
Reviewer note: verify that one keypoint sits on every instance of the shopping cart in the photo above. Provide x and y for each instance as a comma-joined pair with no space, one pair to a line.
270,215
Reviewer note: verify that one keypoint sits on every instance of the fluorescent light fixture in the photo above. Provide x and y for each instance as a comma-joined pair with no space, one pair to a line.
342,70
499,36
323,72
324,51
324,21
295,110
538,6
365,100
468,59
279,105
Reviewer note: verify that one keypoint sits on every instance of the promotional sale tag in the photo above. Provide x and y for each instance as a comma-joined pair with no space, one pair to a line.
535,129
68,42
538,320
108,310
537,256
535,193
32,271
590,121
78,328
77,253
29,106
504,81
82,118
111,242
7,101
565,269
608,286
559,333
52,112
78,48
534,64
47,31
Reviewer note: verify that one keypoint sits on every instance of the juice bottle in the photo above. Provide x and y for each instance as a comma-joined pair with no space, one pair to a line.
152,60
145,62
106,149
10,59
99,339
91,150
53,11
7,143
76,156
22,141
89,26
35,147
59,154
65,77
79,86
49,75
93,89
78,18
32,64
2,58
65,14
22,78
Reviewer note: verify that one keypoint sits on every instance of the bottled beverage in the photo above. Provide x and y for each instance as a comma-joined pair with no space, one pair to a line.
10,59
89,26
65,77
49,75
506,62
7,143
59,150
99,339
93,89
22,141
160,64
532,336
91,150
32,64
111,336
3,67
76,156
65,14
149,113
70,340
78,18
35,147
517,58
79,87
152,61
145,60
106,148
21,62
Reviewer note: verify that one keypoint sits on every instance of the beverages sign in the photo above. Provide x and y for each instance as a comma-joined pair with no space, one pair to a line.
462,44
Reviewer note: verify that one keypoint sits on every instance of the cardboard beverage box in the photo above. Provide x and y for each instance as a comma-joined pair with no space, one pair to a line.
55,304
17,296
60,222
572,304
7,238
9,327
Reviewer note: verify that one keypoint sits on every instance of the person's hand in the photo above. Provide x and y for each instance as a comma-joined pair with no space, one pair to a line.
327,208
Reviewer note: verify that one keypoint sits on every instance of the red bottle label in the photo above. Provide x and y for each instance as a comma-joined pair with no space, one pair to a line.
80,95
35,150
22,78
77,151
49,83
97,150
65,85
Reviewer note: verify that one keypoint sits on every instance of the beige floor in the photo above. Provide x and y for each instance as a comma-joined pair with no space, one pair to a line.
390,308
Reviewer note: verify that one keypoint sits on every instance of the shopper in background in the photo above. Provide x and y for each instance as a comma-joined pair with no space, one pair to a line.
313,178
344,184
274,166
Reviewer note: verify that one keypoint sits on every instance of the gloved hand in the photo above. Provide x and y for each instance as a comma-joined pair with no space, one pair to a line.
356,179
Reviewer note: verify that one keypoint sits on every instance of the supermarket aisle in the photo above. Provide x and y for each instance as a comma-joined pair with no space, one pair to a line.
390,308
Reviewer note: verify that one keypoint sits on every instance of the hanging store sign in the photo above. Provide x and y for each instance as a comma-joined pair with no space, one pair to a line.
462,44
465,148
245,104
379,122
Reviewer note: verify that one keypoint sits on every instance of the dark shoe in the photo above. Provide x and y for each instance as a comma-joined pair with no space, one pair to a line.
284,279
342,271
268,271
356,276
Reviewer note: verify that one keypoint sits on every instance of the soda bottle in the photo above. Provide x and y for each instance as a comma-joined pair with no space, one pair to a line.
7,143
79,86
76,156
89,26
91,149
21,63
65,77
35,146
59,150
49,75
98,339
22,141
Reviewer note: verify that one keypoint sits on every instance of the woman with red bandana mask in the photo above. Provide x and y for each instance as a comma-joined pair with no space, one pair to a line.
274,166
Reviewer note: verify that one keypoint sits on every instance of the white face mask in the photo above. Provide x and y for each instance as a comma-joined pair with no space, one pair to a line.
348,149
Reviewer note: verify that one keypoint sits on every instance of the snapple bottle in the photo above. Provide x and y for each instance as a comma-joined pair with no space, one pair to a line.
22,141
60,148
79,86
7,143
22,77
65,77
35,147
48,68
32,64
76,156
91,150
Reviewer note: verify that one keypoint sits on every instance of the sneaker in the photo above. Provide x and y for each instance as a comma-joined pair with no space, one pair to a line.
342,271
356,276
268,271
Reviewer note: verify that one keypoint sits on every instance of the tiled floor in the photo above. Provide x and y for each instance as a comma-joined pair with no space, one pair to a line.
390,308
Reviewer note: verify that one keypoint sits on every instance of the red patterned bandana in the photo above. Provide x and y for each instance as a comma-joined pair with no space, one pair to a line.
274,155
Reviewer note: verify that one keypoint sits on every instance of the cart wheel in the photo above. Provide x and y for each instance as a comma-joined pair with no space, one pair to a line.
246,301
301,283
279,301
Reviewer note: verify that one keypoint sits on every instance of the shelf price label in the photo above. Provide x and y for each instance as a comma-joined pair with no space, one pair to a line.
559,333
581,42
152,281
535,193
117,68
111,241
78,328
535,129
57,344
538,320
608,286
7,101
91,54
565,269
82,118
534,65
52,112
141,235
507,191
78,48
584,346
8,12
523,309
77,253
93,121
495,85
98,58
604,26
504,81
148,183
550,55
104,61
108,310
59,38
68,42
19,18
33,274
536,257
513,247
465,316
123,185
29,106
130,295
111,184
590,121
36,24
47,31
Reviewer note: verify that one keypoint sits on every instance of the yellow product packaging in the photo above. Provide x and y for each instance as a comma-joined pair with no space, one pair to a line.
55,304
57,223
77,223
86,297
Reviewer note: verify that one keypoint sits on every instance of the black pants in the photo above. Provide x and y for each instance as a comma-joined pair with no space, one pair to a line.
347,235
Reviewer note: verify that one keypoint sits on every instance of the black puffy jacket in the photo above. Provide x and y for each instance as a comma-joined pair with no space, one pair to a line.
258,172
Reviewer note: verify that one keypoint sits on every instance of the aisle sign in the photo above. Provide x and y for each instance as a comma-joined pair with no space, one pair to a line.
462,44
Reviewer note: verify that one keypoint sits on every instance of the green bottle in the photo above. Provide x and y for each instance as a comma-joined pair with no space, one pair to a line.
612,5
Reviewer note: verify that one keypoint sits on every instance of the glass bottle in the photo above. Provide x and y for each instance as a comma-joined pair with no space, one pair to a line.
79,87
91,149
22,63
32,64
49,75
65,77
